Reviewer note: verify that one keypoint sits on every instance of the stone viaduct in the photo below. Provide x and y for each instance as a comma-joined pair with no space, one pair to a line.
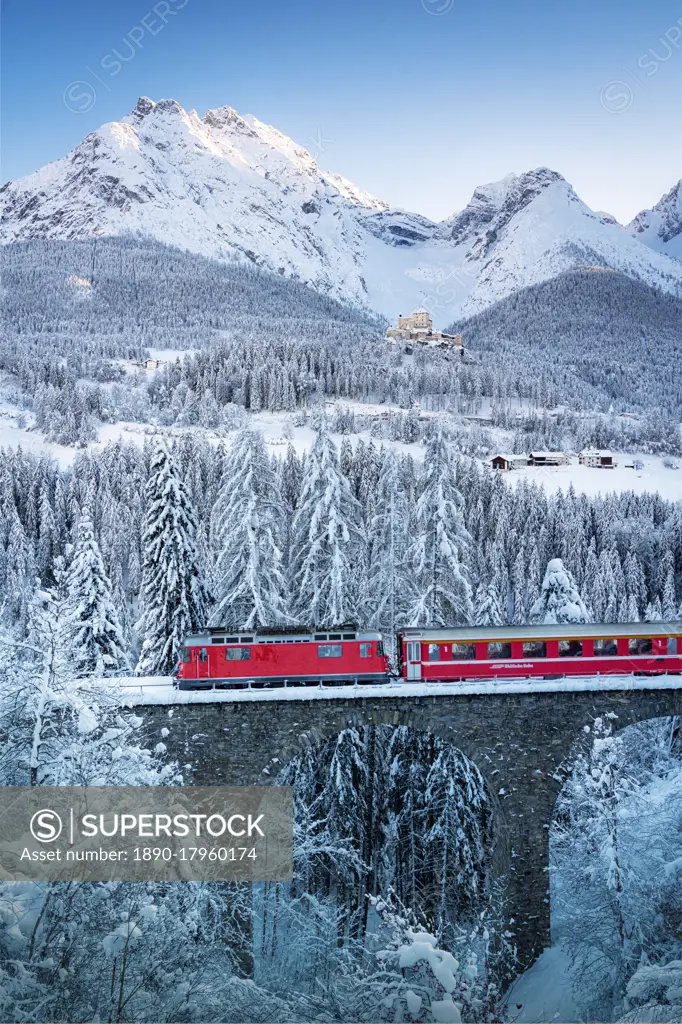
519,741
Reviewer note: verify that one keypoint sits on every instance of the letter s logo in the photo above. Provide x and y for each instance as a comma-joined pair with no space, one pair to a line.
46,826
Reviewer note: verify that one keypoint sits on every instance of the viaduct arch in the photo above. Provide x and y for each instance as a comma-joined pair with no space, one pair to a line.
518,741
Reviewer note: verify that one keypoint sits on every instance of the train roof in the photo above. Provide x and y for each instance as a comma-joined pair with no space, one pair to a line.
545,632
292,630
279,634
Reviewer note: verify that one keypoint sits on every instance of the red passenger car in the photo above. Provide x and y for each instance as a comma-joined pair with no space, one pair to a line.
282,656
508,652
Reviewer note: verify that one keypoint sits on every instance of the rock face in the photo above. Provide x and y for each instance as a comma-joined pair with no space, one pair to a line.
232,188
661,227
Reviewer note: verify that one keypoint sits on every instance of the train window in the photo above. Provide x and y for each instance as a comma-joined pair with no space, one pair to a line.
570,648
203,654
499,650
534,649
186,655
320,636
605,648
334,636
238,654
365,650
463,652
329,651
674,646
217,640
434,652
640,645
380,648
231,639
246,640
349,636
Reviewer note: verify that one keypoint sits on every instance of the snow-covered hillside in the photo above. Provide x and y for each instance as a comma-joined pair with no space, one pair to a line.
661,227
231,187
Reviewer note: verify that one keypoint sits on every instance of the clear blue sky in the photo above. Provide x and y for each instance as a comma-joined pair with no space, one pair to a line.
415,100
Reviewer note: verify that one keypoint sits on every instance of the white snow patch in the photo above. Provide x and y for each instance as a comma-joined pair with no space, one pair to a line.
544,993
135,691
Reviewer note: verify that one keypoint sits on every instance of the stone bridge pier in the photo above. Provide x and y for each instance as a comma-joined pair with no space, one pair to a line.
518,741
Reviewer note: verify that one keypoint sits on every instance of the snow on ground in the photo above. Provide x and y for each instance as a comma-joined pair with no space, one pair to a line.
653,476
160,690
279,430
13,436
543,993
169,355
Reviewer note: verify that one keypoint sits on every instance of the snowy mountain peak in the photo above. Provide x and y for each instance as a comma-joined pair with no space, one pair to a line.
143,106
661,227
231,187
493,206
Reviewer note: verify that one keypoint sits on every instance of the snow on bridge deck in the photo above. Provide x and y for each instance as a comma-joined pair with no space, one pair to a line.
160,690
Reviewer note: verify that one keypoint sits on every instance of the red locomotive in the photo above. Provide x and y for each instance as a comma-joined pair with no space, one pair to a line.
282,656
346,655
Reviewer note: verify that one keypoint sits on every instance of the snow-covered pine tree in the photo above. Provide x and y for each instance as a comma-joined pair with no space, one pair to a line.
172,595
487,610
666,575
611,595
327,543
519,588
20,563
250,524
635,585
632,612
388,581
559,600
436,555
92,631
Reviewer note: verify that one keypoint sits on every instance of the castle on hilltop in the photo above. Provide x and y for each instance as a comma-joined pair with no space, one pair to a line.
419,327
419,321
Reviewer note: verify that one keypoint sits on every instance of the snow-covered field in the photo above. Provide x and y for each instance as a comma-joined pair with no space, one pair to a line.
278,430
653,476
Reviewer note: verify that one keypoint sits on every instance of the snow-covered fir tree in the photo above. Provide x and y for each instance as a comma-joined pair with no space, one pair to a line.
388,580
437,554
249,536
93,634
487,611
559,600
615,901
172,597
327,541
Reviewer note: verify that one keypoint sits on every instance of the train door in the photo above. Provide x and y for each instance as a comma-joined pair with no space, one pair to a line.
414,659
202,663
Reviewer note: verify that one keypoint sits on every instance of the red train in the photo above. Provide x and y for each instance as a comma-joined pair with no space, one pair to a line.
346,655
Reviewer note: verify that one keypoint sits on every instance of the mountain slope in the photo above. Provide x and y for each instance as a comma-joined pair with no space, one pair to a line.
599,339
117,296
232,188
661,227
